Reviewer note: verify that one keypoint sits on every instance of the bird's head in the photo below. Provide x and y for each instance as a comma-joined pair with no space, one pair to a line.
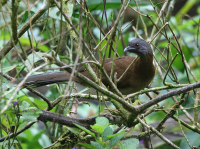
139,47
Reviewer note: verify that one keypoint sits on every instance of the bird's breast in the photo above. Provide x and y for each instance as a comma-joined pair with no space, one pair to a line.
137,79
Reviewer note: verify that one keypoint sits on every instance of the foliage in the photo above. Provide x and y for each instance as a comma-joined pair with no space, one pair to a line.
105,137
50,37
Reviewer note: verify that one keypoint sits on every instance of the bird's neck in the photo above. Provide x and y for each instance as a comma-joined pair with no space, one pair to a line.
146,59
144,67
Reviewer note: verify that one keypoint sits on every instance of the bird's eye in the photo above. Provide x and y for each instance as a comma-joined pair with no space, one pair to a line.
137,44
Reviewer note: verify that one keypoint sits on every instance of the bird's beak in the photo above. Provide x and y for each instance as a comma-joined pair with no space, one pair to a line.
128,48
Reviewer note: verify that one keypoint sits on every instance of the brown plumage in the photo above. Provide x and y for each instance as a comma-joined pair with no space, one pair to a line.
138,76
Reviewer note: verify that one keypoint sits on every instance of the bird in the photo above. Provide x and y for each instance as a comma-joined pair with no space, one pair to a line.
137,77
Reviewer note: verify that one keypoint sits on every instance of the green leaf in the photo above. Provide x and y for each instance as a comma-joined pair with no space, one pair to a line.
108,131
117,134
32,59
102,121
121,131
26,18
111,4
115,139
84,129
99,128
84,90
30,138
122,146
87,145
74,130
29,119
24,105
55,13
187,6
126,26
119,48
193,138
8,68
39,103
30,100
178,61
70,8
131,143
97,145
9,110
38,45
100,142
30,115
198,10
34,113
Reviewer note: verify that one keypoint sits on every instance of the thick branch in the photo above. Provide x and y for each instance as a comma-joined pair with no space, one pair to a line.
160,98
69,121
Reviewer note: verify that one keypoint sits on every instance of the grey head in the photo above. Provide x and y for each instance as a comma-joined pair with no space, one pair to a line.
139,47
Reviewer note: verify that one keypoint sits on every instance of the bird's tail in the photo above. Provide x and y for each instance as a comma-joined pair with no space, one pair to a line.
44,79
